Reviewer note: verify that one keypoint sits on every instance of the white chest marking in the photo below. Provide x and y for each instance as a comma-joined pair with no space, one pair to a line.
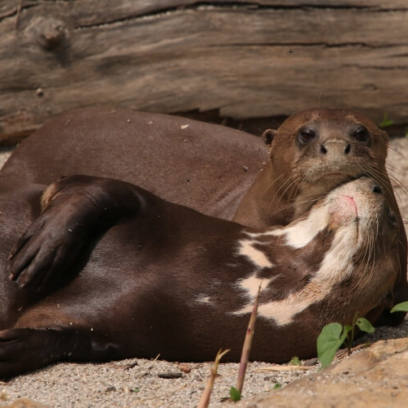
335,267
252,284
256,256
283,312
305,231
301,233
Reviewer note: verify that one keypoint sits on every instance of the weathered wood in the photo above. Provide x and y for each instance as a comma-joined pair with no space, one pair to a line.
244,58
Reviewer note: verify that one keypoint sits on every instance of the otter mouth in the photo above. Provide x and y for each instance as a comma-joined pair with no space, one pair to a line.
351,202
337,176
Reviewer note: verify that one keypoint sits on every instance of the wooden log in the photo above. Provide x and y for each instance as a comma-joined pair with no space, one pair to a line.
245,59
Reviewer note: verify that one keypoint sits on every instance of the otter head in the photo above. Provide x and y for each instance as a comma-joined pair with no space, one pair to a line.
360,266
338,259
322,148
366,233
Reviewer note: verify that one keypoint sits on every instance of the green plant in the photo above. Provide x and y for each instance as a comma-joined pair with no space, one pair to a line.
235,395
277,386
333,335
401,307
295,361
386,121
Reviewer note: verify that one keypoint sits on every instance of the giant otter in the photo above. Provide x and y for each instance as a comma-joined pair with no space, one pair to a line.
165,279
211,168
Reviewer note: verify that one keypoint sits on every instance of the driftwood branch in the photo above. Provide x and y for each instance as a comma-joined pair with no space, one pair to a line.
244,59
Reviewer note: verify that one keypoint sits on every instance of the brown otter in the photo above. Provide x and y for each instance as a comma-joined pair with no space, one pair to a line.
204,166
211,168
312,152
184,283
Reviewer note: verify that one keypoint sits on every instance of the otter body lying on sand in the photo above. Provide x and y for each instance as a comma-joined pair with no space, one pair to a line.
162,278
216,170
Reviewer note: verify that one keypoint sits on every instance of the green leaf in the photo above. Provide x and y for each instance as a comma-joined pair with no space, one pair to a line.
401,307
235,394
386,121
330,339
277,386
365,325
295,361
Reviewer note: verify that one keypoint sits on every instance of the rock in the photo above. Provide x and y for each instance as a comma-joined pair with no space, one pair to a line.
375,377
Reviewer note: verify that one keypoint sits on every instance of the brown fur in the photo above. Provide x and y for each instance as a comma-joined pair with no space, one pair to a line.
211,168
295,168
147,301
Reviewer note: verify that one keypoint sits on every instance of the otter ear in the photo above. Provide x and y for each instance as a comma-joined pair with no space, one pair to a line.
385,136
268,136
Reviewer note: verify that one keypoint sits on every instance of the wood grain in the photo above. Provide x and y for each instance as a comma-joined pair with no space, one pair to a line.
246,59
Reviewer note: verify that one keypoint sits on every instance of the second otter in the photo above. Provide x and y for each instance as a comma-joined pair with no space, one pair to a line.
201,165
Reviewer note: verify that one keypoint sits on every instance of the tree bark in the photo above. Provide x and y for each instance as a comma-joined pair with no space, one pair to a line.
244,59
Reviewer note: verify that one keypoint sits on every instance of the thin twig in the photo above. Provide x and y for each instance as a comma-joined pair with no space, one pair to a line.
285,368
246,349
205,397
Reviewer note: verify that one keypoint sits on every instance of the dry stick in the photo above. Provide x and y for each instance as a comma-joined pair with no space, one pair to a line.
205,398
246,349
285,368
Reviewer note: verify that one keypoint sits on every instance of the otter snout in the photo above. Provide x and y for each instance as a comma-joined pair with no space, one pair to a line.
335,149
365,185
363,189
363,201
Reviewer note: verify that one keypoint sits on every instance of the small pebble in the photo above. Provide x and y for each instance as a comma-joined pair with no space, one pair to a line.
170,375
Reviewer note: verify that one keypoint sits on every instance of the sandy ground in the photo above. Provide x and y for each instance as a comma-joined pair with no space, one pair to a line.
141,383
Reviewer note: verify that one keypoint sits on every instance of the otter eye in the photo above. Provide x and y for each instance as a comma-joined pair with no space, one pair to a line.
361,134
306,135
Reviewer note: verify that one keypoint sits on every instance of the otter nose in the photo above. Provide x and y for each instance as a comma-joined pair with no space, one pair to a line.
377,189
335,148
